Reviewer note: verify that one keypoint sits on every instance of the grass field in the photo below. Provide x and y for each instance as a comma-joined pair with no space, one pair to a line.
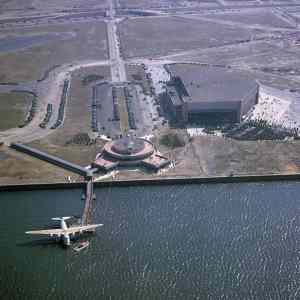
84,41
34,5
13,109
263,18
156,4
21,168
162,36
124,122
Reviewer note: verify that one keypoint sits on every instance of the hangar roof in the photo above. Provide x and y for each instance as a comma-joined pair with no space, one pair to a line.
215,84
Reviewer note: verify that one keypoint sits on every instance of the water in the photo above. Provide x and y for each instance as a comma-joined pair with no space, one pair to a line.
230,241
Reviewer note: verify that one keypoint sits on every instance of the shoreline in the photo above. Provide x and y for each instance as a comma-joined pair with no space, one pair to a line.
154,181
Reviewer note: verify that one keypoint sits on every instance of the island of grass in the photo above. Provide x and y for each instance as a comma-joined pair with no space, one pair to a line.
14,109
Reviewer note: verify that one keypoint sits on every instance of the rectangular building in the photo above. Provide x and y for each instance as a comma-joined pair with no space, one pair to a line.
212,95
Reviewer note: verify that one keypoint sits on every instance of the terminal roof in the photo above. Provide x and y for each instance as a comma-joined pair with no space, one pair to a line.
215,84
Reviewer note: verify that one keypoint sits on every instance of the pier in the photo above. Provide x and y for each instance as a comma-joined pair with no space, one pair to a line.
86,173
53,160
89,196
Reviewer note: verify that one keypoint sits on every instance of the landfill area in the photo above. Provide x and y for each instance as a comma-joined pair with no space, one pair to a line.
90,74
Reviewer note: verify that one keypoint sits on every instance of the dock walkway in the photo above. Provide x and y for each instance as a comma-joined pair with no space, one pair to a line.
88,175
89,196
53,160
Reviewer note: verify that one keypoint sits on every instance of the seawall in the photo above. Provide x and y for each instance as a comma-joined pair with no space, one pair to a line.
154,181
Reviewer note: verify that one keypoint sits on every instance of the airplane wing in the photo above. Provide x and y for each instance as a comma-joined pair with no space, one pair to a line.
82,228
59,232
47,232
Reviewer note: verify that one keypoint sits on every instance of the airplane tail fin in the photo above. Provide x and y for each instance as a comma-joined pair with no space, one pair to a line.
59,219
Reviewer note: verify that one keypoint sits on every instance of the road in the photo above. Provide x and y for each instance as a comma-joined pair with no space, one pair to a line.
118,69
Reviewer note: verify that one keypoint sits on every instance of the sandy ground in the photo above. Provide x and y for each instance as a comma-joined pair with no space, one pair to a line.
200,131
159,76
277,107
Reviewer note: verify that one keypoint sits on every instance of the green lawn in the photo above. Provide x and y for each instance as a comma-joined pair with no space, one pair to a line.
13,109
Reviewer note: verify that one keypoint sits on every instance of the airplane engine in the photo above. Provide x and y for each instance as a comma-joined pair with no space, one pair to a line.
66,240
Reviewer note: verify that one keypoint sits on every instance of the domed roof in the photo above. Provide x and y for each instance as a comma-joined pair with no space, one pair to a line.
128,146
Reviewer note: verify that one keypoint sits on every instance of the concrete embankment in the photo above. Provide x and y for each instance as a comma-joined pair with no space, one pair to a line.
155,181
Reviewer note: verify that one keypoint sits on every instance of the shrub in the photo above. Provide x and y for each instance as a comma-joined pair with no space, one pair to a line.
90,78
172,140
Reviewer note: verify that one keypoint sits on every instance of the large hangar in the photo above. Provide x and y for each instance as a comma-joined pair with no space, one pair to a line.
208,94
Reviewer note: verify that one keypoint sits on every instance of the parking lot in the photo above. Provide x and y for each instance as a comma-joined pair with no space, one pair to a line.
103,117
107,117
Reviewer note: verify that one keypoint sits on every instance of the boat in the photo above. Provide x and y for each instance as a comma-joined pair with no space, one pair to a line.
81,246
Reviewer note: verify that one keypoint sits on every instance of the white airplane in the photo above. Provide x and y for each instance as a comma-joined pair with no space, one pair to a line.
65,232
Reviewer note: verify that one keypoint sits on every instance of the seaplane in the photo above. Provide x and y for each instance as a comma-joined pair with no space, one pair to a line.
64,233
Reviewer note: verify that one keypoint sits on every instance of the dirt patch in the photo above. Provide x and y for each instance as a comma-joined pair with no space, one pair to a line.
216,156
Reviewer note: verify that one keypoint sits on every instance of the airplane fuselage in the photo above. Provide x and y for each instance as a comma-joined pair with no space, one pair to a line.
65,237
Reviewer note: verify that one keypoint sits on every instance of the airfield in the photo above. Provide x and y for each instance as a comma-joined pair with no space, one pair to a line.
96,55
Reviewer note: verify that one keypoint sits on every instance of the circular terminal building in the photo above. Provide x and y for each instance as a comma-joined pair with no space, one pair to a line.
129,151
